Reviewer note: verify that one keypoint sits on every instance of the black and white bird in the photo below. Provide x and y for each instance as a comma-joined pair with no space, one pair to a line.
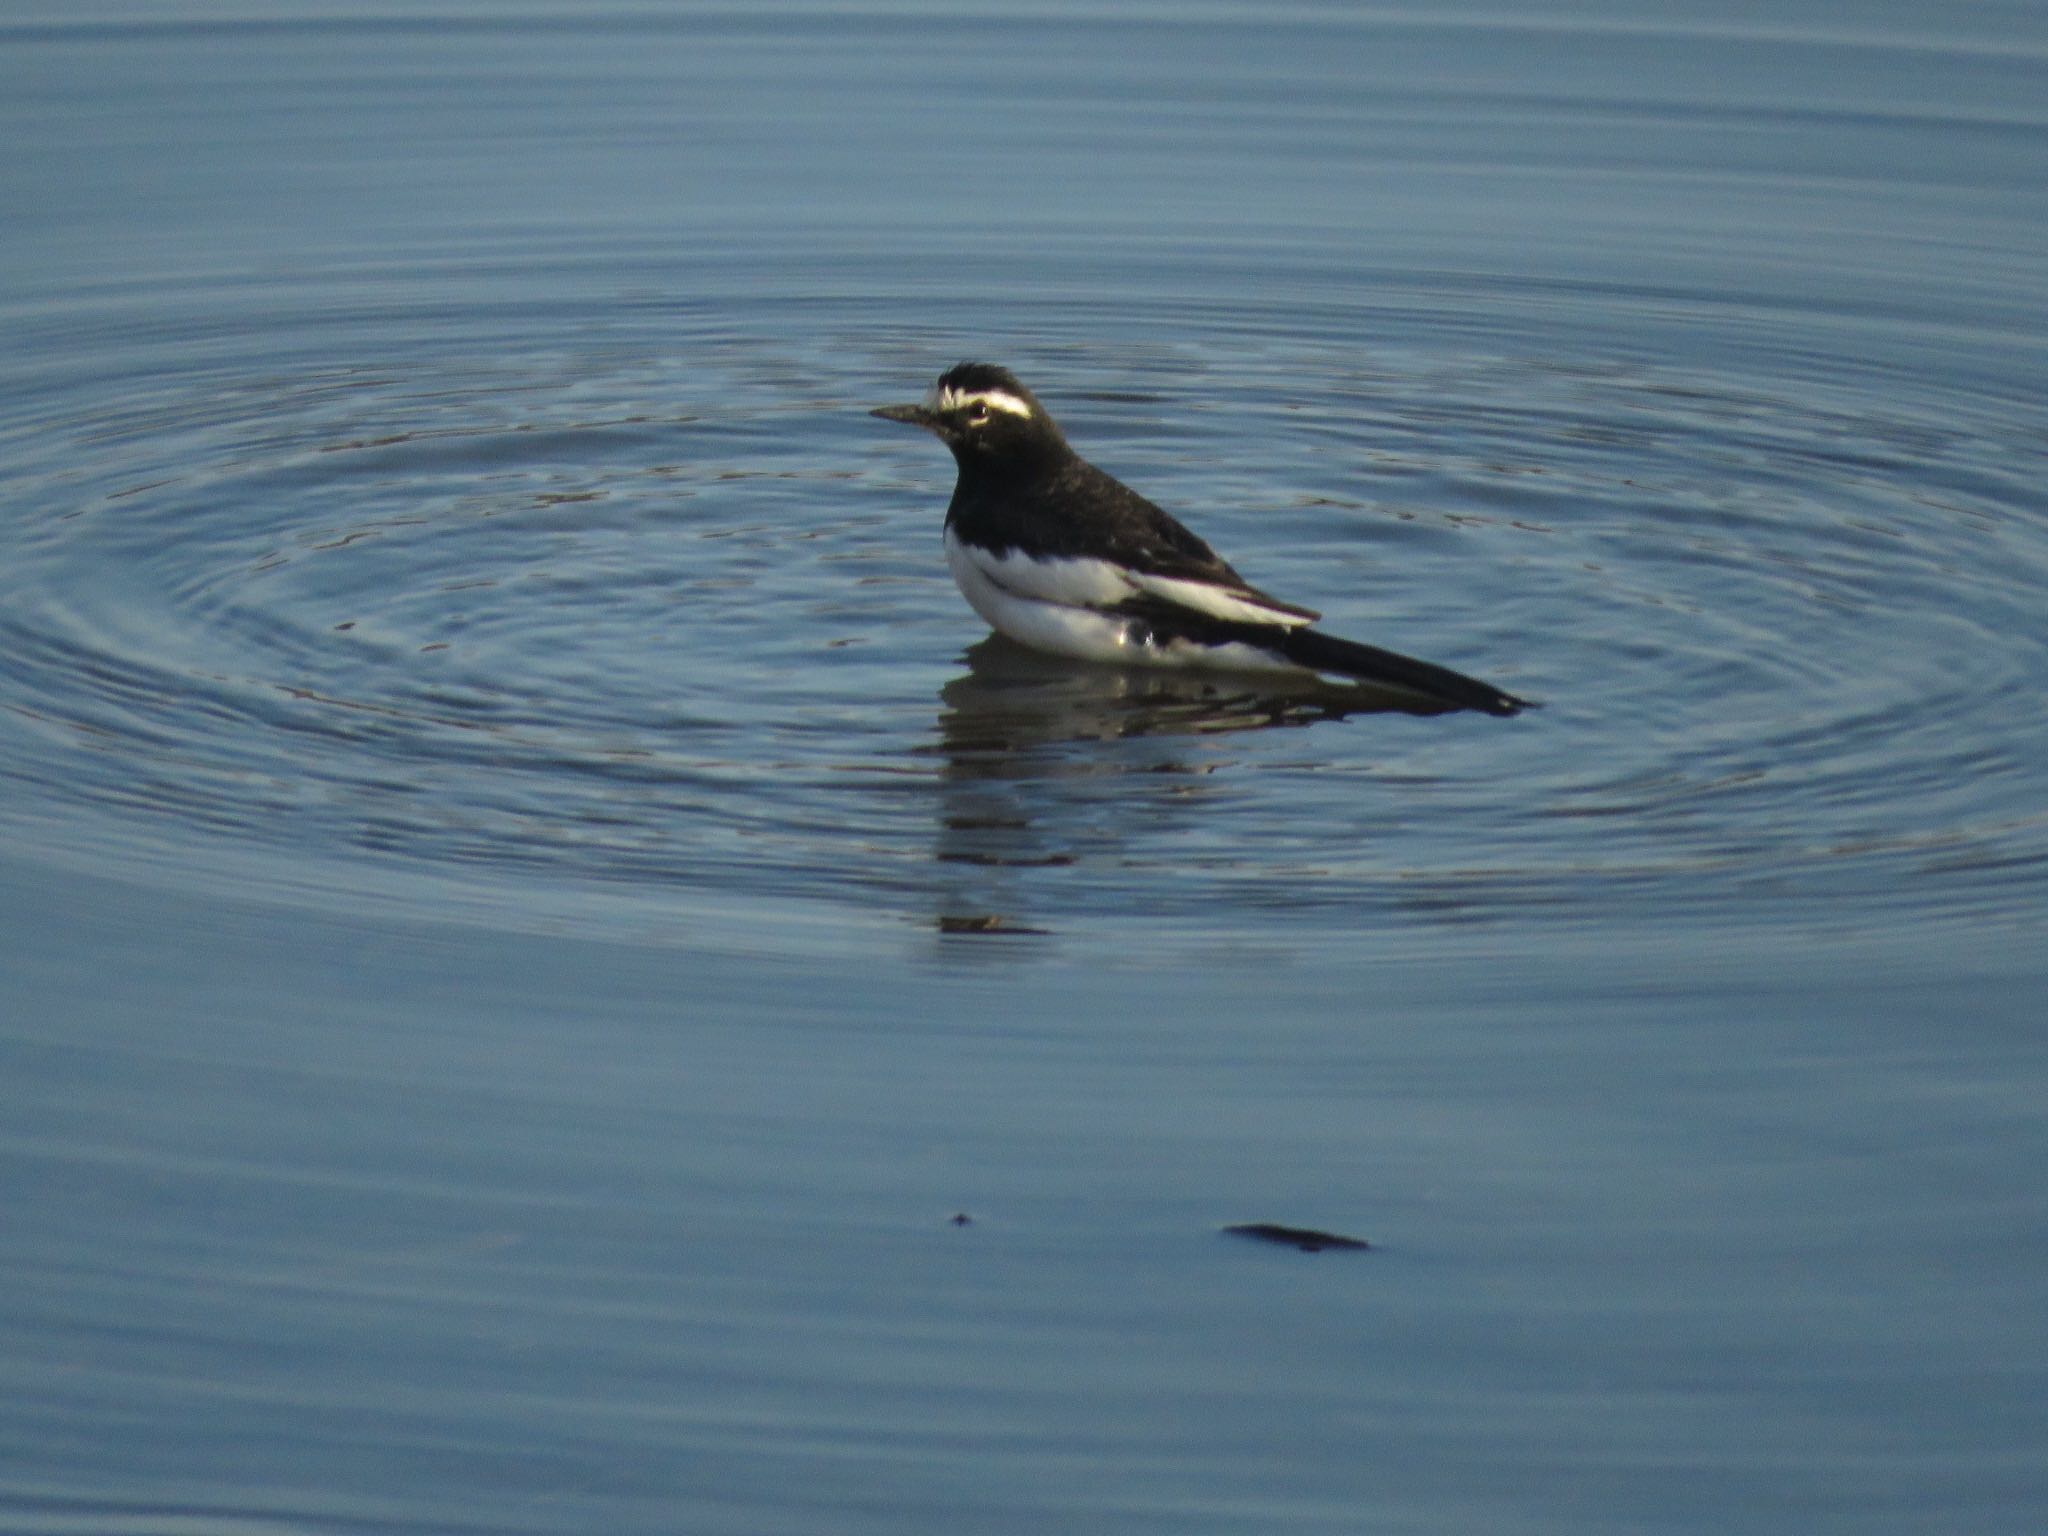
1061,557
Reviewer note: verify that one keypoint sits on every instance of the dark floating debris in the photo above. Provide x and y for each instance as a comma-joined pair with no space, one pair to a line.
984,922
961,1219
1307,1239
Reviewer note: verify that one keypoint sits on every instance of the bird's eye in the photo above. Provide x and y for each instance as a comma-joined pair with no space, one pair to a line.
977,413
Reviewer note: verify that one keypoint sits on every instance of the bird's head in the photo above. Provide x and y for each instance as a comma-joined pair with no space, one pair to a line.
985,416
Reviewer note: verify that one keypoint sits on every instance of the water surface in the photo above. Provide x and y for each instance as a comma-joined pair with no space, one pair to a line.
528,908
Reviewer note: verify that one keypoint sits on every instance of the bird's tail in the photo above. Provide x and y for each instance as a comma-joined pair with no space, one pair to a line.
1319,652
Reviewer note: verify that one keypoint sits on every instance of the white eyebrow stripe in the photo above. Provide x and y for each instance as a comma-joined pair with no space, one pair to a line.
994,399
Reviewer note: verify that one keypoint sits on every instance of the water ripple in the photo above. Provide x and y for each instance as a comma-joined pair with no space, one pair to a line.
668,624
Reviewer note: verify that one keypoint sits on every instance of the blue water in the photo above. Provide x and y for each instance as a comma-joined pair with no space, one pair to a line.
526,909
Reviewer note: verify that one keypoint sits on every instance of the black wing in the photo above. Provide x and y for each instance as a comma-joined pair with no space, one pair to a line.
1085,513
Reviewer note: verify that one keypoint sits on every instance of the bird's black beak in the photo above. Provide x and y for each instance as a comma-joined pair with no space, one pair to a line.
913,415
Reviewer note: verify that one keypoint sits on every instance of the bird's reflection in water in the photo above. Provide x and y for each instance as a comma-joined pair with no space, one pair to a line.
1051,763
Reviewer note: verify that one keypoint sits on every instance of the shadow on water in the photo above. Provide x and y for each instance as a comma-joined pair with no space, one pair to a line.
1011,698
1049,763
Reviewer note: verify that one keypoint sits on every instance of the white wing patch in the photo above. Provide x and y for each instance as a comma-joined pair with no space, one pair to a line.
994,399
1078,582
1218,602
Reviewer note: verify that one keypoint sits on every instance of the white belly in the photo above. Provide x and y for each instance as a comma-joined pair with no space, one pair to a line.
1088,634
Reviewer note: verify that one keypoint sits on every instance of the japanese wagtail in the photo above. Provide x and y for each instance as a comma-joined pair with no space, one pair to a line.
1061,557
